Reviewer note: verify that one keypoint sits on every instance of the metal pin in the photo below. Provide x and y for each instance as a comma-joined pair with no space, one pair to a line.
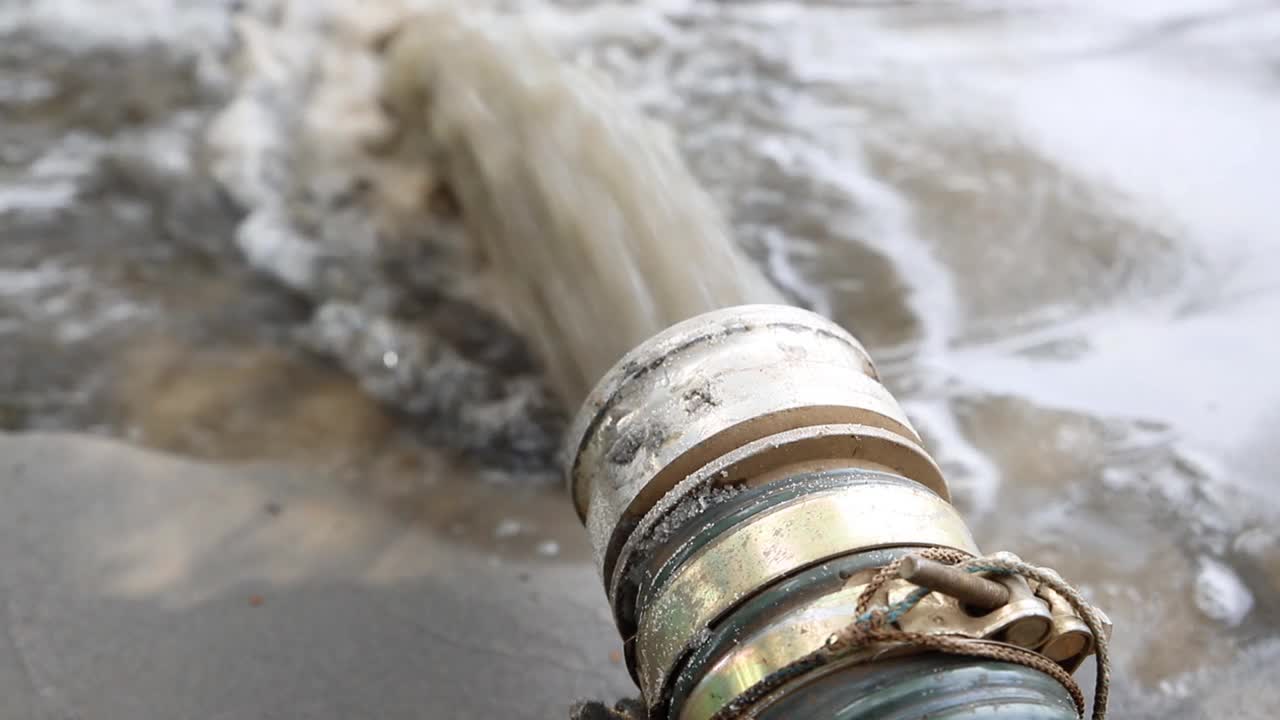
968,588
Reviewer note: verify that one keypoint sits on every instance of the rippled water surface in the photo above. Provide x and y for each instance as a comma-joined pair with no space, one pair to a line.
1052,224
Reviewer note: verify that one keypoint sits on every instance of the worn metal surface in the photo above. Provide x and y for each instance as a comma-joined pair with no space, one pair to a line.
705,387
792,453
756,614
794,535
966,587
1070,641
797,630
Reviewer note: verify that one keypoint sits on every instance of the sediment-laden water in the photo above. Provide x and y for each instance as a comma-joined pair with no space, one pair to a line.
1051,224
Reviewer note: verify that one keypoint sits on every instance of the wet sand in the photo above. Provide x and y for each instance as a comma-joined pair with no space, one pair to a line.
138,585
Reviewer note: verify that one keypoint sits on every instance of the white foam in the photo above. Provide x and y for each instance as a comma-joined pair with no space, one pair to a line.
269,242
36,196
24,89
245,143
188,23
45,276
1220,594
508,528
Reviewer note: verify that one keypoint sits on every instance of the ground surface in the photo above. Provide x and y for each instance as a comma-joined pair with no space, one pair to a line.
136,585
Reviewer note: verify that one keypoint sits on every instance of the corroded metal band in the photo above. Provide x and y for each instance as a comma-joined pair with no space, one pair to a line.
792,635
759,614
706,387
790,536
780,643
790,452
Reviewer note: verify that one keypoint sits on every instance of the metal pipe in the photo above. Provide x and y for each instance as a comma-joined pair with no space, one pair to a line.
742,477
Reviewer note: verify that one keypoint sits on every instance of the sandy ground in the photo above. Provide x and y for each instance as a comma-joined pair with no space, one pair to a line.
136,585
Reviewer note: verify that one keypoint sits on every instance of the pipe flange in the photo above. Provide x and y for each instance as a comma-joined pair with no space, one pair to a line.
703,388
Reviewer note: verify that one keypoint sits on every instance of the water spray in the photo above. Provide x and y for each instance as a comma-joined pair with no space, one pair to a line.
776,543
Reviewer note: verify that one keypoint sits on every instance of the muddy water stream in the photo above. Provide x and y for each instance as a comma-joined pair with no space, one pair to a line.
596,233
1051,223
